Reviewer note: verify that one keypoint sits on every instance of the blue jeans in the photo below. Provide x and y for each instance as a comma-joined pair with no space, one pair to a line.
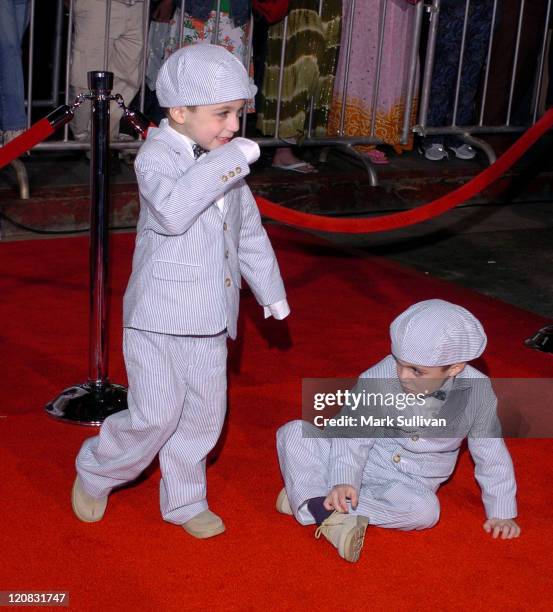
14,18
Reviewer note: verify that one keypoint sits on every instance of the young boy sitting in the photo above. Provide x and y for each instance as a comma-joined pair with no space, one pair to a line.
344,484
198,232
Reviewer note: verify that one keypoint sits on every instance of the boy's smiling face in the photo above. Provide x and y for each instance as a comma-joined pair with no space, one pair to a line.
210,126
424,379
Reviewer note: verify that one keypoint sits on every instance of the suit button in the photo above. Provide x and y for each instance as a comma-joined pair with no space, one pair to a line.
238,170
227,282
225,226
415,438
226,254
224,178
396,458
231,174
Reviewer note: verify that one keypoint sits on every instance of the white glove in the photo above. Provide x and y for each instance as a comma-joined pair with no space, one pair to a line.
249,148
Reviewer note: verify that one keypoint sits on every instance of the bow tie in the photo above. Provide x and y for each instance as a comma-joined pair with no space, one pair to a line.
439,395
198,150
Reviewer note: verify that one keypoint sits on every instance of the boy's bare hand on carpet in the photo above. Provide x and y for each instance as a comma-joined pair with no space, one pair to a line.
508,528
336,499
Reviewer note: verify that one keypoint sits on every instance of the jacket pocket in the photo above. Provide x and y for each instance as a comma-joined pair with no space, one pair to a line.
175,271
433,467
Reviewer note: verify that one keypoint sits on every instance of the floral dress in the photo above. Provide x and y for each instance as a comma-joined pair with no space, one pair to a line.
164,39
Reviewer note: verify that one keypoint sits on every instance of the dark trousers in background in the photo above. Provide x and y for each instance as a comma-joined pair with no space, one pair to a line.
448,50
501,64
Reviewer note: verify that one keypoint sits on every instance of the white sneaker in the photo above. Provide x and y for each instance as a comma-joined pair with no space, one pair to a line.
465,151
345,532
10,135
435,152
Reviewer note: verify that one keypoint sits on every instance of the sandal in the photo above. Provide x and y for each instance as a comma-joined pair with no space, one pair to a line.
377,157
301,167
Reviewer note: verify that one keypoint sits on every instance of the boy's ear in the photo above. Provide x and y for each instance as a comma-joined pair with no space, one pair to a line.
178,114
456,369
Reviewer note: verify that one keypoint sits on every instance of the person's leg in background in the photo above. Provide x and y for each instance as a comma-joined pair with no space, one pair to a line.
125,60
533,28
124,55
501,63
549,96
87,53
14,19
476,47
444,75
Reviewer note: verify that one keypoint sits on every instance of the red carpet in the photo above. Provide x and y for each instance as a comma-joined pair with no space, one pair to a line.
342,305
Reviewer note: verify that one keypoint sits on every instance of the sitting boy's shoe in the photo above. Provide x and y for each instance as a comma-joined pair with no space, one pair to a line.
464,151
204,525
282,503
346,533
87,508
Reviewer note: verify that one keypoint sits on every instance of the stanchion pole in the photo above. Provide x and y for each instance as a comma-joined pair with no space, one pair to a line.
100,84
91,402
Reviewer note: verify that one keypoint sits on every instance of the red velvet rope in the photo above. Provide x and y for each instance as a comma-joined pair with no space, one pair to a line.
16,147
35,134
43,128
421,213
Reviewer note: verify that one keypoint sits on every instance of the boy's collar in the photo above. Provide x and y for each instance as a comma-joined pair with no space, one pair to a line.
189,142
178,142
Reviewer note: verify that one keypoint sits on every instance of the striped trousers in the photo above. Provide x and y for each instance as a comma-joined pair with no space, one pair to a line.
388,498
176,407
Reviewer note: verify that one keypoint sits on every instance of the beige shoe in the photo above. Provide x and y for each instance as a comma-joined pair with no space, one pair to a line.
87,508
204,525
282,503
345,532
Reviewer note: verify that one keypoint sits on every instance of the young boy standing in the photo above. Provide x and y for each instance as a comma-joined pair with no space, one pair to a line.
198,232
345,484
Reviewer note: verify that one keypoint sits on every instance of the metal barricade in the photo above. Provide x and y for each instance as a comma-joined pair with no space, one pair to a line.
275,140
479,126
342,141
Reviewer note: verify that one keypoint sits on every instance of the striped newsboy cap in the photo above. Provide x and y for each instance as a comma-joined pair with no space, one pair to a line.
437,333
201,74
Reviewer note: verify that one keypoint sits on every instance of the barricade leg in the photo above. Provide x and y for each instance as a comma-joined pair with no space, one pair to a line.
22,178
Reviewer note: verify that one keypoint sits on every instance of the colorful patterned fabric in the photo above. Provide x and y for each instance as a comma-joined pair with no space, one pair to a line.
392,92
312,43
164,40
239,10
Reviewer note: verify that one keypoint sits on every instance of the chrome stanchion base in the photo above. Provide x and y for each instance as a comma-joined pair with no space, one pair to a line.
88,404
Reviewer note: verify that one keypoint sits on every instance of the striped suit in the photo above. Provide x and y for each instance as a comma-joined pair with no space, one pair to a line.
397,478
181,303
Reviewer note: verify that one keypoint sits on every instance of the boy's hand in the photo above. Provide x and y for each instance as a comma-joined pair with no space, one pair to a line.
336,499
249,148
506,527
